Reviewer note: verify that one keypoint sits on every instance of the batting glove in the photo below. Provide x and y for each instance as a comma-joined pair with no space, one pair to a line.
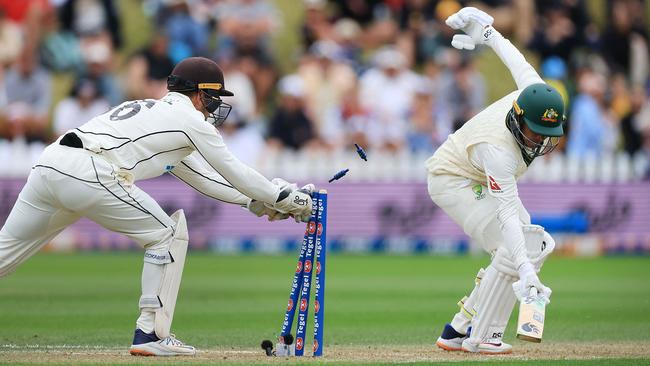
477,25
528,279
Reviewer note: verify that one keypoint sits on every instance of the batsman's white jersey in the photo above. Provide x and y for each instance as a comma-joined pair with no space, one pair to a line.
135,140
472,176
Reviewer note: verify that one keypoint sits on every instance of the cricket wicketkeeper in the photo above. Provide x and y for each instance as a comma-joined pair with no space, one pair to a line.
91,172
473,178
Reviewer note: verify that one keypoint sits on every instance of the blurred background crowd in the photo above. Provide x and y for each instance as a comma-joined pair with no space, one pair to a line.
317,76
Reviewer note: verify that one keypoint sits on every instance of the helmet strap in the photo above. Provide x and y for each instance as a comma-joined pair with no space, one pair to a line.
513,122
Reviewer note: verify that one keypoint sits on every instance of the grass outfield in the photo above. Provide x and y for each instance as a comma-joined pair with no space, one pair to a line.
59,305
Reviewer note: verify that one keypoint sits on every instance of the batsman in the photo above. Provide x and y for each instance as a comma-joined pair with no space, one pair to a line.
473,178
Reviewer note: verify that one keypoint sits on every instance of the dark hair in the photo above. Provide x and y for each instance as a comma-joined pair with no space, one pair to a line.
83,81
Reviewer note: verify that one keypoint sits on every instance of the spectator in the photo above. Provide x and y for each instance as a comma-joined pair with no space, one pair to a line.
11,41
364,12
387,90
290,127
3,94
316,26
148,69
246,26
242,130
593,128
187,36
244,31
244,102
423,23
625,45
83,103
99,63
29,16
326,80
59,49
426,131
89,18
346,123
631,124
347,34
28,91
556,33
461,88
374,17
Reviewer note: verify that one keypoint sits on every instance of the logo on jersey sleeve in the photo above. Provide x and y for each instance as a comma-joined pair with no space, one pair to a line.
494,186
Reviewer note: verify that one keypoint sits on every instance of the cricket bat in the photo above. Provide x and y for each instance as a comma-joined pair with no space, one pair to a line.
532,310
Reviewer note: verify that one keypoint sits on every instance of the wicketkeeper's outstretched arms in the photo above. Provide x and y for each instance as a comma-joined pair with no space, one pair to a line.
195,172
478,29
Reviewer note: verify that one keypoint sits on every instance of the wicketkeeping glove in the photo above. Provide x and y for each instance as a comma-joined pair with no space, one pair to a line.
259,209
477,25
292,201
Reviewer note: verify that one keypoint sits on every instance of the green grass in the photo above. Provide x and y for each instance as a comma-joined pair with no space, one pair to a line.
236,301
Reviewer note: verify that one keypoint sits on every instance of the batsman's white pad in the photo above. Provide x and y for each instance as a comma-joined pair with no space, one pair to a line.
495,303
463,318
161,277
539,245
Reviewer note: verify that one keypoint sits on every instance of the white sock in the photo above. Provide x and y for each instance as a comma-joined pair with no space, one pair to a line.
146,321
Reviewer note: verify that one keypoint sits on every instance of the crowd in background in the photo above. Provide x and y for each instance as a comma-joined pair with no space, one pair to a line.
379,73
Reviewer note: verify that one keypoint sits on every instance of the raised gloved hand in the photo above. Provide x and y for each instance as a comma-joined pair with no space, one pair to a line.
528,279
259,209
477,25
292,201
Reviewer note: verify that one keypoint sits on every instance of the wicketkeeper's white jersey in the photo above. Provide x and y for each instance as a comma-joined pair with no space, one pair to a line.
146,138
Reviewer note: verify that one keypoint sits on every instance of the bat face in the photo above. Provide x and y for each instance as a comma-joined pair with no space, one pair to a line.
530,325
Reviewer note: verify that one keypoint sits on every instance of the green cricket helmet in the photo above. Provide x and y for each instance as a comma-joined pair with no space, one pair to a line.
541,109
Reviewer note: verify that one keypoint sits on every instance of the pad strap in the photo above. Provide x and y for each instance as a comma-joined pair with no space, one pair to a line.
150,302
158,256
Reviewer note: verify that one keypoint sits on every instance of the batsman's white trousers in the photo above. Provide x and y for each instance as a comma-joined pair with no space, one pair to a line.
472,209
69,183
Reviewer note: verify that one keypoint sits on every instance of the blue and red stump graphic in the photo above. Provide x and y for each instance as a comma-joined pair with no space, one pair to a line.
311,259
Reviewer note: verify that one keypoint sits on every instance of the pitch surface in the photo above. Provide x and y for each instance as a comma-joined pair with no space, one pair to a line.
81,309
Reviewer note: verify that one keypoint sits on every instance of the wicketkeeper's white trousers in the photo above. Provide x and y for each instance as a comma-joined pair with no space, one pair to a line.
69,183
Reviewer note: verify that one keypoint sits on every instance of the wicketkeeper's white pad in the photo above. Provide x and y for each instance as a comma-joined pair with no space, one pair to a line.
161,277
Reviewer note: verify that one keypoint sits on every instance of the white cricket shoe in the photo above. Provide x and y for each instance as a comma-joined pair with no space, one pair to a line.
149,345
450,339
487,348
